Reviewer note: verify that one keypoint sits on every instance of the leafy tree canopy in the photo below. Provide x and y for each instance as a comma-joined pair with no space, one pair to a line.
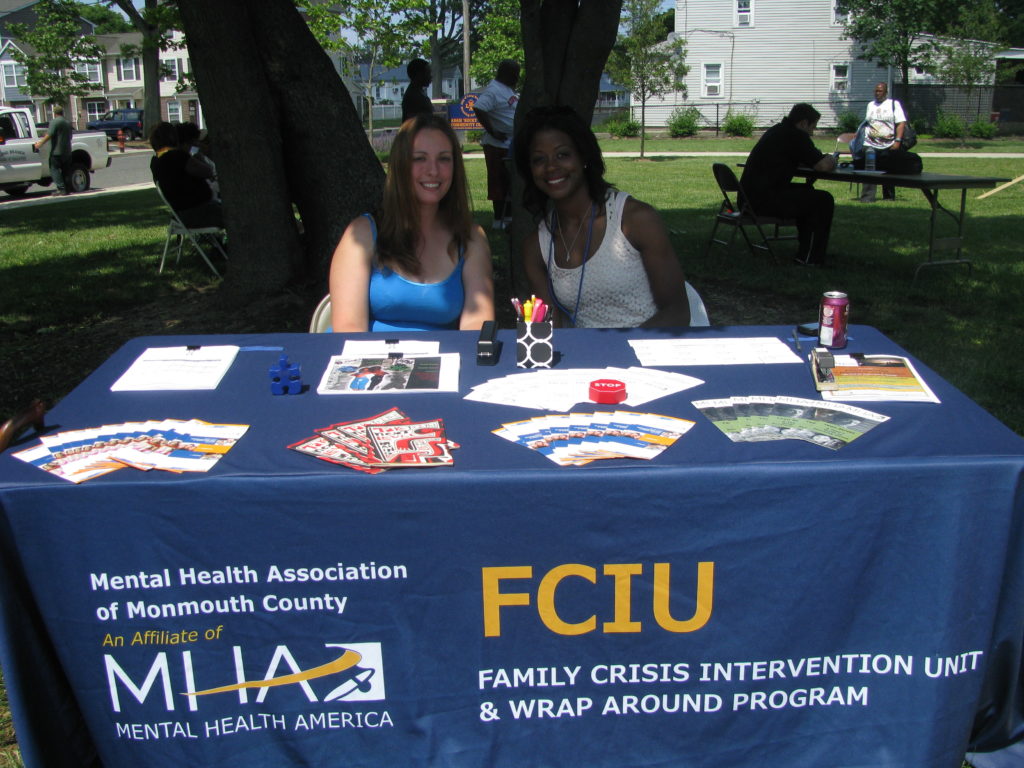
642,60
57,44
500,38
889,31
107,21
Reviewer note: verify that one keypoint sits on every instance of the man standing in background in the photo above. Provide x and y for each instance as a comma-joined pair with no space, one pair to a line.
886,122
415,99
59,136
496,111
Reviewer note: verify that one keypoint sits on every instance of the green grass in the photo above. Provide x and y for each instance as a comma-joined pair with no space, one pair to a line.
825,140
962,325
69,261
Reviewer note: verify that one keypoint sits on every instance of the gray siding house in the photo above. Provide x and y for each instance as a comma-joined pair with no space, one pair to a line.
762,56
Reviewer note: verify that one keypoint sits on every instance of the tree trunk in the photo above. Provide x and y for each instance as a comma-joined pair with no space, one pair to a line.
643,123
150,61
151,75
566,44
283,129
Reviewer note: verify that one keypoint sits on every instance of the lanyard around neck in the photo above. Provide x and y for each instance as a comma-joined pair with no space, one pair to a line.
583,268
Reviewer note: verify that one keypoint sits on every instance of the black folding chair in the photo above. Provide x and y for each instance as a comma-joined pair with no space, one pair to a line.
730,215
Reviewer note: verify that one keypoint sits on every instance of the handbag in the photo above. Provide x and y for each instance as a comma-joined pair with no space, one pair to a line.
909,134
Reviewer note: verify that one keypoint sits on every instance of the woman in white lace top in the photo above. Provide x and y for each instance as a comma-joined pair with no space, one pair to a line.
600,258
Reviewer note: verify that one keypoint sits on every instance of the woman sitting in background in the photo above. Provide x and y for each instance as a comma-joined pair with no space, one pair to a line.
422,264
600,257
182,179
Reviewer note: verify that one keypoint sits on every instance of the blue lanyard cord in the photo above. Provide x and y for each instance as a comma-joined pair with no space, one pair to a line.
583,270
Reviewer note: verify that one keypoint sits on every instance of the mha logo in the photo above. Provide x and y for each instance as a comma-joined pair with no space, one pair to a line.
354,674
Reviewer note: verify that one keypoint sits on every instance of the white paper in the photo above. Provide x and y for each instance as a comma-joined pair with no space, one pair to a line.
177,368
561,390
376,347
729,351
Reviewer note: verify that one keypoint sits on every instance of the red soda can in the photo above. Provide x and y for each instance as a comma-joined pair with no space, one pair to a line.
832,319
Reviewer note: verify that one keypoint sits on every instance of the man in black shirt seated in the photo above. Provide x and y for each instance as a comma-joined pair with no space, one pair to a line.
768,176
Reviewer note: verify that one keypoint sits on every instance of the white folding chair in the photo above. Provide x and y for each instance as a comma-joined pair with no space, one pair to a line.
321,322
698,312
196,236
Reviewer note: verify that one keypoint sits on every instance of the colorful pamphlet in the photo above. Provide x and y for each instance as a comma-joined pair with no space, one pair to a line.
858,378
756,418
171,445
389,439
390,373
575,439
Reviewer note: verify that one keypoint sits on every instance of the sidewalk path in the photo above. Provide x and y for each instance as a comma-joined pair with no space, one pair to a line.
46,199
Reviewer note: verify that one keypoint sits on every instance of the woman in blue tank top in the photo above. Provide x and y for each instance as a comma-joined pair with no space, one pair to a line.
424,264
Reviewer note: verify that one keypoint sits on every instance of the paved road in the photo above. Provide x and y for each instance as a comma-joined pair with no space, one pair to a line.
127,171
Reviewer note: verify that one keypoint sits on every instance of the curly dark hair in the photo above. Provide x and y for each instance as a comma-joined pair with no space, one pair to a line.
566,120
163,135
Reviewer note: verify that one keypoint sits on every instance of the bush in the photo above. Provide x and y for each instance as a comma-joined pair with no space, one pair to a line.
848,122
738,124
949,126
983,129
684,122
622,126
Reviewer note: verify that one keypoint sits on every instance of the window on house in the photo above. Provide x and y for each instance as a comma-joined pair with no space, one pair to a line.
169,70
840,78
174,111
90,69
711,81
96,109
744,13
838,16
128,69
14,75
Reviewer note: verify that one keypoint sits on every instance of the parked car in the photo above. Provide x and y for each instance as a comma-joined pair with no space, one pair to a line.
21,165
127,120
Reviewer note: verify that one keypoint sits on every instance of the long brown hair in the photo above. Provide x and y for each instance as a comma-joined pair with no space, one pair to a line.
400,212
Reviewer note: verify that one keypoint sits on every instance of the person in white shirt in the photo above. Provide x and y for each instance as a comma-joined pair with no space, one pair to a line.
496,111
598,257
886,122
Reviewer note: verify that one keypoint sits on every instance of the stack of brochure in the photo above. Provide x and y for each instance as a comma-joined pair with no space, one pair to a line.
389,439
574,439
756,419
875,378
171,444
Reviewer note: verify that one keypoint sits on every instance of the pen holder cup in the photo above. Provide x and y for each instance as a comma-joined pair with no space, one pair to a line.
534,348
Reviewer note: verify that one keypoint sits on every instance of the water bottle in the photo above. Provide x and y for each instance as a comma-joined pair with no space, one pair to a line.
869,159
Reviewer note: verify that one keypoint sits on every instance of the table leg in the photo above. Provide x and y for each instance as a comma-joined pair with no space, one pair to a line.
932,196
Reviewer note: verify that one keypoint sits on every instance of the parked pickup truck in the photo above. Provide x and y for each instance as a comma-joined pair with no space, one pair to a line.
21,165
127,120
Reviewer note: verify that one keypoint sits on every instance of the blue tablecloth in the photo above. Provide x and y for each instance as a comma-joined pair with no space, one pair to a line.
726,604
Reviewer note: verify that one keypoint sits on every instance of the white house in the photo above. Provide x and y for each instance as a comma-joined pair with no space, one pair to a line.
762,57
